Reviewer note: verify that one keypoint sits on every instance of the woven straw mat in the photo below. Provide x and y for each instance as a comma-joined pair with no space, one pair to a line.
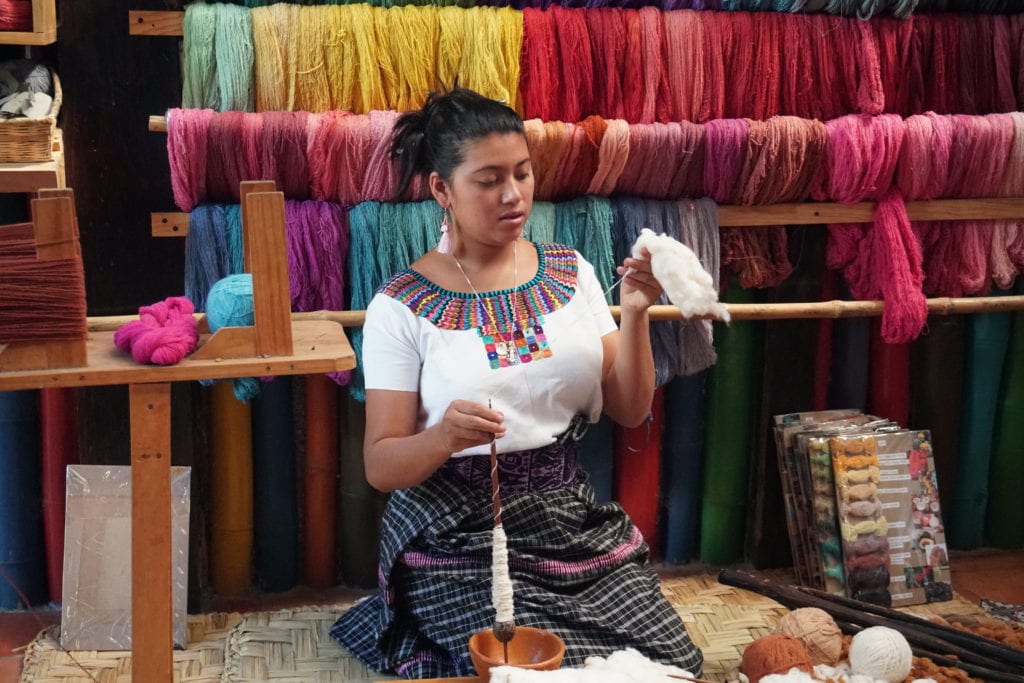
202,661
292,645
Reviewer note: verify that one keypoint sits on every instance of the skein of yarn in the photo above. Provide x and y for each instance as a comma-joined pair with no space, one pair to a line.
817,630
164,333
881,652
774,654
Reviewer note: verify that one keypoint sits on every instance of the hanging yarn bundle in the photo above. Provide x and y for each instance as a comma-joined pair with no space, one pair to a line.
213,249
218,57
384,240
680,347
389,59
317,240
164,334
882,260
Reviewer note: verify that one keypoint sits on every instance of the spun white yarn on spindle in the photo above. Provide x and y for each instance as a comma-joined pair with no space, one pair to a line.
881,652
501,580
680,273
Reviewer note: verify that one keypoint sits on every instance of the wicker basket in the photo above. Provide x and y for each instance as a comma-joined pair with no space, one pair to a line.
24,139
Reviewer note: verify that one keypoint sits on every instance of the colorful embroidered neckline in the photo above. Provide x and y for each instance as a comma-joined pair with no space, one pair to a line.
548,291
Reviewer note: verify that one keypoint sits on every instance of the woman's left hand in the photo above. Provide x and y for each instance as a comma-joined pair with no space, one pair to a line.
639,288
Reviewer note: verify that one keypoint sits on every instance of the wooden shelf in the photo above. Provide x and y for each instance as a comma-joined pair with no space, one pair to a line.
44,26
36,175
320,346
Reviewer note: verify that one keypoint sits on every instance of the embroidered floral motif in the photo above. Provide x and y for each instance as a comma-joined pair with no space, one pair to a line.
509,336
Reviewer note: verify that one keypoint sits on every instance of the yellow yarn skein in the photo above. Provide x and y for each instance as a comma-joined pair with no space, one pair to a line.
412,33
271,61
370,90
310,89
451,23
491,53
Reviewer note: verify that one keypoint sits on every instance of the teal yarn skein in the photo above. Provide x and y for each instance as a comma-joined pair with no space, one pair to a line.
230,304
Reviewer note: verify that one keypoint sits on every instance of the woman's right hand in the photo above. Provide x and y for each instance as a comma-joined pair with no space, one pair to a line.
466,424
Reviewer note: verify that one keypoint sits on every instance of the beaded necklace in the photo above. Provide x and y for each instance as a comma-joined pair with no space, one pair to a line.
505,344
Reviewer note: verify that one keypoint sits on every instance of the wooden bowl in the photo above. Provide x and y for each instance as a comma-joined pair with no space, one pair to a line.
531,648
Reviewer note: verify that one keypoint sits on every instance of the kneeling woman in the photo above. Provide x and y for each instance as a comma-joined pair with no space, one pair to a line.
491,318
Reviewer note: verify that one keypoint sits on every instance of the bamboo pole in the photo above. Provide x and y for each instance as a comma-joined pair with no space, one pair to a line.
789,311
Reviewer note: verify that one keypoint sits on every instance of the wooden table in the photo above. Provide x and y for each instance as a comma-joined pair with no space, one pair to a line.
274,345
319,347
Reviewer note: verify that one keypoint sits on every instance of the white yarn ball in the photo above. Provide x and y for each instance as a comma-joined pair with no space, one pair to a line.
881,652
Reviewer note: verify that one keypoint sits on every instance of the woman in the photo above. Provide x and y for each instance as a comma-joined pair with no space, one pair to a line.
491,337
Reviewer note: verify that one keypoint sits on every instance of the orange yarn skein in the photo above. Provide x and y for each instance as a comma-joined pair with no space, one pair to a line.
774,654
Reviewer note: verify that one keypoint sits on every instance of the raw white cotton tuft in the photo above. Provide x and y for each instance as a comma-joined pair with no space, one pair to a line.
512,674
881,652
622,666
501,581
679,272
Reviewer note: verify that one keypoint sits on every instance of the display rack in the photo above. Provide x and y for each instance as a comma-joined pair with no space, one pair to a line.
44,26
274,345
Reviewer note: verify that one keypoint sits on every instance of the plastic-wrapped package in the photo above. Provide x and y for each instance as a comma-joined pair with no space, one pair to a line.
97,609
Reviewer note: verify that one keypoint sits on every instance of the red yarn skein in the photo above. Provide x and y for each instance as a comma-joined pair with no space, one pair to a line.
165,332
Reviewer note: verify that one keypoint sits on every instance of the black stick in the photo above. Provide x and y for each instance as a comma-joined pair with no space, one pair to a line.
792,598
966,639
942,660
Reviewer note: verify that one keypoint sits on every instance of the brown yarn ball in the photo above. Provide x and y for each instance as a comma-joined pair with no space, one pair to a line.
774,654
817,630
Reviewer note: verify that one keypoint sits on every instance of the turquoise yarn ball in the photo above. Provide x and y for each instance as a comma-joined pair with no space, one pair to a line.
229,303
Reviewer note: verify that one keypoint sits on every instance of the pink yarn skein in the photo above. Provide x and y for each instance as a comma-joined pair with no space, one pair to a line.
165,332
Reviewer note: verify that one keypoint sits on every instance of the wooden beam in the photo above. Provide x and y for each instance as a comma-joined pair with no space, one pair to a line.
788,311
802,213
155,23
152,619
811,213
264,229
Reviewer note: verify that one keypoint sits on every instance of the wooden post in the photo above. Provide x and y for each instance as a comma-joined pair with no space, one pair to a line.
244,189
152,620
263,221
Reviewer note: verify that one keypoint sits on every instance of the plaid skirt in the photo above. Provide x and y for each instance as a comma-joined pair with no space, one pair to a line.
578,569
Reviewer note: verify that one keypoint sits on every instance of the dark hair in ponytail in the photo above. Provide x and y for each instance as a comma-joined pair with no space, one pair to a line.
431,138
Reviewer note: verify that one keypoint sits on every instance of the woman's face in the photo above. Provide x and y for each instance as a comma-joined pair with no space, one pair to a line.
490,194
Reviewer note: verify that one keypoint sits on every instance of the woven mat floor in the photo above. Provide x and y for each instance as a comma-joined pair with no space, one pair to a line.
292,645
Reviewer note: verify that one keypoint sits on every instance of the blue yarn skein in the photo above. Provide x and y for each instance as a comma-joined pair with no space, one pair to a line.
229,304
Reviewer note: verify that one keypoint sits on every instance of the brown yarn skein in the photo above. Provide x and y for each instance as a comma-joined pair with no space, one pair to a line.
774,654
817,630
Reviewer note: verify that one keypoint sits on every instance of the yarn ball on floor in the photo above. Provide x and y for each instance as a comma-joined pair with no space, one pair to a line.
881,652
774,654
817,630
